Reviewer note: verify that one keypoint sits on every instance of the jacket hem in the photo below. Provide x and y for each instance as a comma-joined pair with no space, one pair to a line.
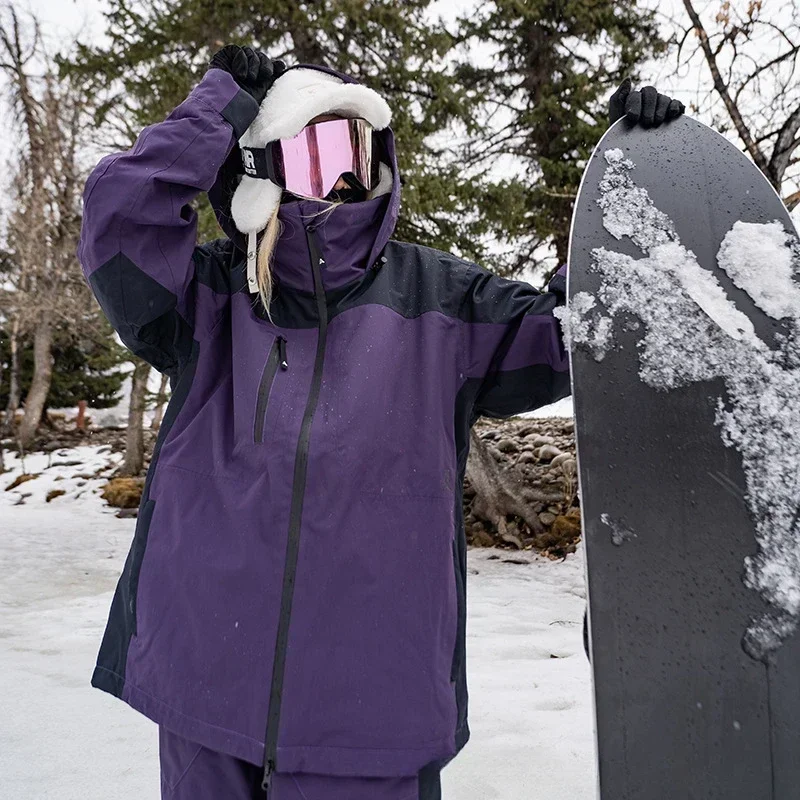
337,761
211,736
368,762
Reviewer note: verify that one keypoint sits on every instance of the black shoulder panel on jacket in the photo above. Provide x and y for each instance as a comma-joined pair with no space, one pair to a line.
143,312
410,279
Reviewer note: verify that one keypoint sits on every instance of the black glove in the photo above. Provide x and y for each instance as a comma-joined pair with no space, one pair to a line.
647,108
253,70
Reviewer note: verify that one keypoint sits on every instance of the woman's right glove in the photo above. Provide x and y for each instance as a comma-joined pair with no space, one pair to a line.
253,70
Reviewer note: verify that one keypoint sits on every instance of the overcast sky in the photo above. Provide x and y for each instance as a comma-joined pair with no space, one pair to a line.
65,15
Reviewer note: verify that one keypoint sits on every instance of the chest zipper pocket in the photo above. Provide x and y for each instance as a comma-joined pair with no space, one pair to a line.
276,358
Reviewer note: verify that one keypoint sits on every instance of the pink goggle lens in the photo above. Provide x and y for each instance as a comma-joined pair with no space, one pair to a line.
321,153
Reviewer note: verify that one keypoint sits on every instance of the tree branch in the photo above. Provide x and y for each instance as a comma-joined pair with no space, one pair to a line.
722,89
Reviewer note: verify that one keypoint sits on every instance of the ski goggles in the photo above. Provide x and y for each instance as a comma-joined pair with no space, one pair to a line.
311,163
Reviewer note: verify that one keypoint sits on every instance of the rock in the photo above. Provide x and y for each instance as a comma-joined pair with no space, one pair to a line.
539,440
547,452
569,466
526,430
507,446
568,526
127,513
527,458
560,459
512,538
482,538
547,518
562,537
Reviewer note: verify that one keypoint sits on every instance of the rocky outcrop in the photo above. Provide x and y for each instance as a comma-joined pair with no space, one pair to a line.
538,455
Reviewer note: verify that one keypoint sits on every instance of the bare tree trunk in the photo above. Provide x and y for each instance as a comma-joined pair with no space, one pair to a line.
161,401
13,389
13,378
2,461
40,384
498,492
134,441
80,420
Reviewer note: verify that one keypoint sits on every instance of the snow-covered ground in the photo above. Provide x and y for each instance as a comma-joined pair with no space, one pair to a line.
530,695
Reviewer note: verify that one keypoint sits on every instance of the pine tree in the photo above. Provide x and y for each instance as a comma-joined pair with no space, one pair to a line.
543,101
157,51
83,368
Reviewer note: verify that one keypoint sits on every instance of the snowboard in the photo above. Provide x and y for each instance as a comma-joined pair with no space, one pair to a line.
683,325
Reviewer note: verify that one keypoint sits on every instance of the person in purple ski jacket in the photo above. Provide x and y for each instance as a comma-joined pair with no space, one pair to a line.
292,609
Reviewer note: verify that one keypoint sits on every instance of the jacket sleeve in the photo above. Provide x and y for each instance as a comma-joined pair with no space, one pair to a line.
514,346
139,230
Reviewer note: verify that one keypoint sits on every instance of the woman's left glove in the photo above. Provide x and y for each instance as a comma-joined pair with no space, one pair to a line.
647,108
253,70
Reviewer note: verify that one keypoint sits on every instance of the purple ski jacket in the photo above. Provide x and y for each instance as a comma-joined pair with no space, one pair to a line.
295,591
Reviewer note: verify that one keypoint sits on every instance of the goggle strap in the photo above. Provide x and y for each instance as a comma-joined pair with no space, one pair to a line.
252,260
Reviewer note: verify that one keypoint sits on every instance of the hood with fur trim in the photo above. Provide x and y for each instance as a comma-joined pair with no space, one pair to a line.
243,204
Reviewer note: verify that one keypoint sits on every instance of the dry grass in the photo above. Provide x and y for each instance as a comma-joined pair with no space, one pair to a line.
20,479
123,492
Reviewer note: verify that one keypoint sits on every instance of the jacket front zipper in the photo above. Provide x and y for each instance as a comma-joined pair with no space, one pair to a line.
295,514
277,357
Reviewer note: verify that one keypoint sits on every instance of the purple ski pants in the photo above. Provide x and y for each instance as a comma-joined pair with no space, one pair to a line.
190,771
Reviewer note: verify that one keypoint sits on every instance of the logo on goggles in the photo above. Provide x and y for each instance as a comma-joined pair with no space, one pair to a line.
249,161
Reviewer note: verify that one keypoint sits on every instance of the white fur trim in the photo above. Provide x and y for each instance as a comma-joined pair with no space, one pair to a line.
295,98
299,95
253,203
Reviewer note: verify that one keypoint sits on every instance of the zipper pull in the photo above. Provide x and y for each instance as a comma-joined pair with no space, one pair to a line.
282,353
269,768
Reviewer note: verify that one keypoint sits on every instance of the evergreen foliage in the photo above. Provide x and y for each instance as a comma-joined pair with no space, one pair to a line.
82,369
157,50
491,148
544,100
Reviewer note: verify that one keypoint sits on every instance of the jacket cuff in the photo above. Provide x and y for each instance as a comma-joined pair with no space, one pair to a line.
219,91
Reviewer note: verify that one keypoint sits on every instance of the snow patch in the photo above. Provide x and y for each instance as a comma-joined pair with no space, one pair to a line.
704,289
694,332
580,328
561,408
760,259
627,209
529,680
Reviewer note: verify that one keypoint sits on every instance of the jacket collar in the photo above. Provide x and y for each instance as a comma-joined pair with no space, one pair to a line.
348,239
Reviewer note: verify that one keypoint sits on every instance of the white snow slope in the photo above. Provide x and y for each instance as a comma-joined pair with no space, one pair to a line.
529,681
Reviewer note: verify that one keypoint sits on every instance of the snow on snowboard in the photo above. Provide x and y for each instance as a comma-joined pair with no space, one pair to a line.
684,329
